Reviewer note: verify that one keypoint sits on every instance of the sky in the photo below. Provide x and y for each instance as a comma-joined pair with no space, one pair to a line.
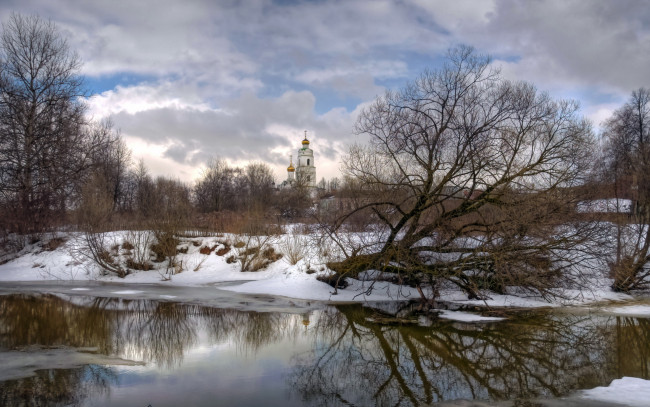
186,81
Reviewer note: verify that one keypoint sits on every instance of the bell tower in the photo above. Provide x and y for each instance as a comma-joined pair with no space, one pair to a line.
306,170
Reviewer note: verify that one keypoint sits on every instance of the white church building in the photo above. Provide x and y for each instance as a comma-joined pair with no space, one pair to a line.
305,171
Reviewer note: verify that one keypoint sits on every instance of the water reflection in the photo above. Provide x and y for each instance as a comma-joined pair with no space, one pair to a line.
631,342
353,358
144,330
63,387
529,356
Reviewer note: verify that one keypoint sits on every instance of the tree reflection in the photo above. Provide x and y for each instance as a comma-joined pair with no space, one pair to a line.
632,344
363,362
354,359
150,331
57,386
146,330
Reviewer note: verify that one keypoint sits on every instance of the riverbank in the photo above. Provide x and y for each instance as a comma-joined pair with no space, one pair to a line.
200,267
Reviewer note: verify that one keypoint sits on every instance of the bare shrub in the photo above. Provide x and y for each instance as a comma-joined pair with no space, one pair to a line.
294,247
95,247
253,242
54,244
133,265
94,216
167,220
139,243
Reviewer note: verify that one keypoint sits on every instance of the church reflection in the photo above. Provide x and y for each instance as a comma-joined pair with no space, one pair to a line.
354,357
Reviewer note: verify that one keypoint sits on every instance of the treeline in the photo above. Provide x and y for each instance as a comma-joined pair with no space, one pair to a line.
57,167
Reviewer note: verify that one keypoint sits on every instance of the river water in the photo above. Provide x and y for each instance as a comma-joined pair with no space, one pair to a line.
107,345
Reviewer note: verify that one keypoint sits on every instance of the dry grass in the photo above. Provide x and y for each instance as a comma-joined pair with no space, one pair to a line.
293,247
53,244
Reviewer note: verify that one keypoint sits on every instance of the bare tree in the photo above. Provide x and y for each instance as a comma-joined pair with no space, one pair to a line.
210,190
627,157
43,147
259,180
113,160
468,178
293,202
144,197
231,188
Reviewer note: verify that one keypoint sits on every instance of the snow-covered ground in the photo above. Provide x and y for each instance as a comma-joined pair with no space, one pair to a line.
280,278
628,391
605,206
629,310
466,316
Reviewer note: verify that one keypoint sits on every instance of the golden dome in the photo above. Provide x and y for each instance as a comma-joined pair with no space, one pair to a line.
305,142
290,168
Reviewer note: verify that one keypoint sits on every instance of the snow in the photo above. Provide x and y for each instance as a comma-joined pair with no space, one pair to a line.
635,310
305,286
605,206
466,316
17,364
598,292
630,391
280,278
496,300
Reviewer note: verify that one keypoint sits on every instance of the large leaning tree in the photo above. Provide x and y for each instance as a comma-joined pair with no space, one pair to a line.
468,179
627,165
43,145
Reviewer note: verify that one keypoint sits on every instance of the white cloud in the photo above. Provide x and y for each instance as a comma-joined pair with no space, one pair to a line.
239,79
174,135
139,98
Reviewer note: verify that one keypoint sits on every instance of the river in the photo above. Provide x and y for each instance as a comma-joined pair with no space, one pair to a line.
93,344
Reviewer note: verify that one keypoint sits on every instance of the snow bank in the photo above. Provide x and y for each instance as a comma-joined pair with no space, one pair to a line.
18,364
630,391
304,286
466,316
632,310
280,278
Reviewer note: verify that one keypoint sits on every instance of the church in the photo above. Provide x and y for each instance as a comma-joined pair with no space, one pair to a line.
305,172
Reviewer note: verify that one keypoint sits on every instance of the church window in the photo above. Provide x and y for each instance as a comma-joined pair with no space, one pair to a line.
308,162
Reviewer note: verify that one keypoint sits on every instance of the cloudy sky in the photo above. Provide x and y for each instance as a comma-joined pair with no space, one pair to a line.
187,80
